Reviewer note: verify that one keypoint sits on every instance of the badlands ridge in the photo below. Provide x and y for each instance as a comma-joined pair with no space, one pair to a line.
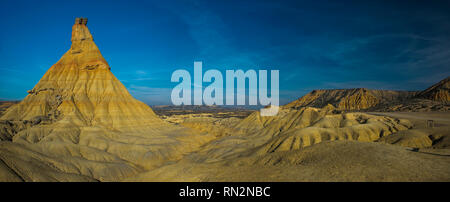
79,123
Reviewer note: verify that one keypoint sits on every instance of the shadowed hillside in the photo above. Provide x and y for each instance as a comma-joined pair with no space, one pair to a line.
437,92
435,98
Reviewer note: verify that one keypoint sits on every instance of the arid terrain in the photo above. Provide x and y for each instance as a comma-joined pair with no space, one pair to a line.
5,105
317,145
80,123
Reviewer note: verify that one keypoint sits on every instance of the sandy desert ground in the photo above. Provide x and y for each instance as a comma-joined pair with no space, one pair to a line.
416,154
80,123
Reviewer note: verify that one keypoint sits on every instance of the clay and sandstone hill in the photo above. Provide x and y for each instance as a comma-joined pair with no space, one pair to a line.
79,122
350,99
435,98
5,105
315,144
437,92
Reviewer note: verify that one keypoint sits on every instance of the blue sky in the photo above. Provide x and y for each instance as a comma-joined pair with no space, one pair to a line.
400,45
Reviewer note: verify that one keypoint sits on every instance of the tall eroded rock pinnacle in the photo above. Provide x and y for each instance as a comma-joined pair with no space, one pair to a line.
80,89
79,123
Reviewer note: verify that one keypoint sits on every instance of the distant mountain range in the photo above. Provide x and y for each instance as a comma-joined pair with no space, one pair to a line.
434,98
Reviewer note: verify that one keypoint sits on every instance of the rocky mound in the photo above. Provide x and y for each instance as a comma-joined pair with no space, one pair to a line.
437,92
4,105
80,123
411,105
435,98
326,161
423,135
312,144
349,99
80,90
294,129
